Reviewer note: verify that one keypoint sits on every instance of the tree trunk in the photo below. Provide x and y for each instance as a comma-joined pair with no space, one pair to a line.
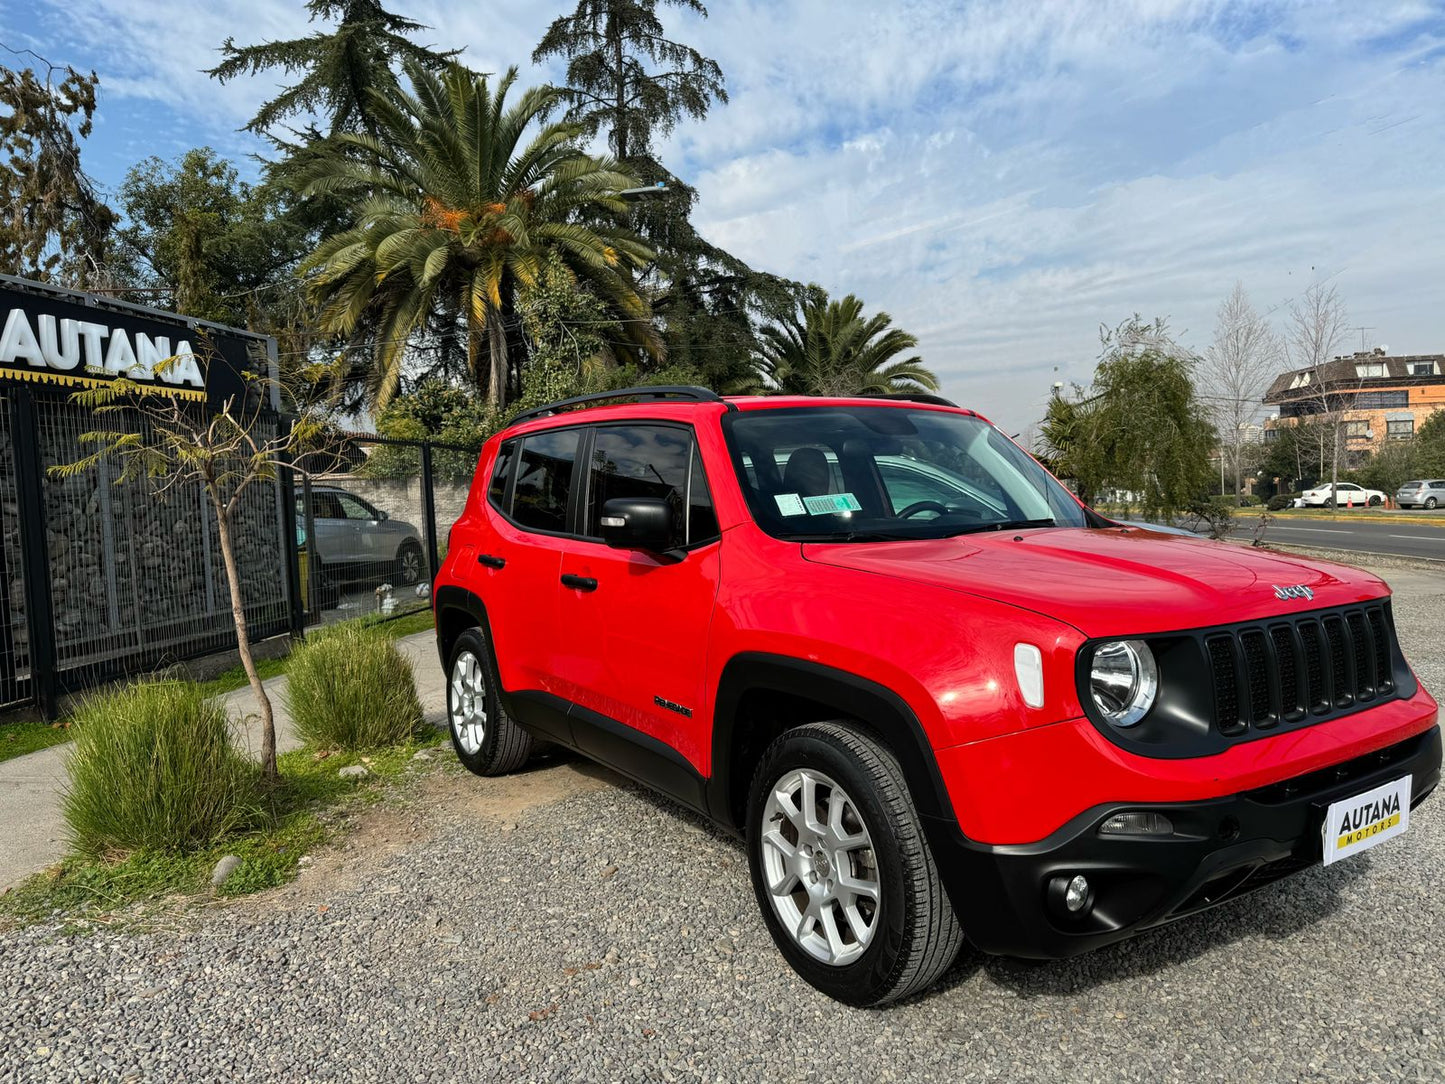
1335,463
619,131
243,643
474,356
497,339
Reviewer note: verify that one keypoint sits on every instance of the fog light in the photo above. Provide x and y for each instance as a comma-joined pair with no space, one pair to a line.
1077,894
1137,824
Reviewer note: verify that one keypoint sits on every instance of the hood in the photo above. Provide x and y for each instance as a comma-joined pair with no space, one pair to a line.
1110,582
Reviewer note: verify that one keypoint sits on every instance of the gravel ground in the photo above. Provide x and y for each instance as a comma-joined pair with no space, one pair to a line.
561,925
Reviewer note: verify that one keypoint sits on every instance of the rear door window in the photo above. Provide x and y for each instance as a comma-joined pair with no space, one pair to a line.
326,506
544,480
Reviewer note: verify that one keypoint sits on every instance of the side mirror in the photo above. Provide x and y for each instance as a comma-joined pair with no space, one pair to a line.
381,515
638,523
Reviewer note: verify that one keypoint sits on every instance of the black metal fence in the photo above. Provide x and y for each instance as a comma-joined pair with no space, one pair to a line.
370,530
100,580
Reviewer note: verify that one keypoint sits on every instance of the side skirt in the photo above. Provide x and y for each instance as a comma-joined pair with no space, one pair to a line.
638,756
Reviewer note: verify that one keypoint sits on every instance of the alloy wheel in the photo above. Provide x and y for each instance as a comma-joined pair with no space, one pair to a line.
820,867
410,564
469,702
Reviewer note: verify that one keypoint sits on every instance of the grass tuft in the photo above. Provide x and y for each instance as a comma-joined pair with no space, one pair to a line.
300,814
154,768
350,688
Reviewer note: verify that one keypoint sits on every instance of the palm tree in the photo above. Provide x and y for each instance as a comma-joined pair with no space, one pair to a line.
827,348
453,209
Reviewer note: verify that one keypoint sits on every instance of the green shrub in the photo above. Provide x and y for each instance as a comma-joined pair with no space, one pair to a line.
349,687
1281,501
154,767
1249,500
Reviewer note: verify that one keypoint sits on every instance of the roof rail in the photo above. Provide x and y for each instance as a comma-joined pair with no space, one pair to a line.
685,392
915,397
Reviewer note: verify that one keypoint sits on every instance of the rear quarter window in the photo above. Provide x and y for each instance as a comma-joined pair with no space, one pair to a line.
497,490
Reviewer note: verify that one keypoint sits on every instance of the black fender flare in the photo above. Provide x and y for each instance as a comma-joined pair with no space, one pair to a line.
457,600
875,707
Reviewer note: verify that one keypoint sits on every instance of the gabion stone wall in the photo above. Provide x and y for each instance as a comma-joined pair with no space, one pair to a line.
14,635
137,576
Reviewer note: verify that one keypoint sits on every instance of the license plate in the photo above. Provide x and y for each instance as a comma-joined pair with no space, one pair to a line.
1358,823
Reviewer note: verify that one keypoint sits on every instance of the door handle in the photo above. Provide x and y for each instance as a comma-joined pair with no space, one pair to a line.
582,583
491,561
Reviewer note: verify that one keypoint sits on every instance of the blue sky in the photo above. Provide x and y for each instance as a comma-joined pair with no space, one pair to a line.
1001,176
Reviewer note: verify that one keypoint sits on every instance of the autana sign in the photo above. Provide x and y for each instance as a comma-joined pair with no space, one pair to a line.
88,347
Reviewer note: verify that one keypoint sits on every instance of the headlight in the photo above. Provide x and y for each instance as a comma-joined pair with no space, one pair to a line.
1123,680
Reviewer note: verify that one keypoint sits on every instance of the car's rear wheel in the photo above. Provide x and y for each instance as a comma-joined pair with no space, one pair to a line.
843,875
1430,503
484,736
409,563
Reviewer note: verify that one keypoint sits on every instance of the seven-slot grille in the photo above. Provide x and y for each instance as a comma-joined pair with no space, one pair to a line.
1286,669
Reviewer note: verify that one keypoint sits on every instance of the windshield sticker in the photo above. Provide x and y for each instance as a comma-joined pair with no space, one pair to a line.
832,502
790,504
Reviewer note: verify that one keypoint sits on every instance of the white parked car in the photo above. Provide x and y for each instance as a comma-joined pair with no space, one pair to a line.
1346,494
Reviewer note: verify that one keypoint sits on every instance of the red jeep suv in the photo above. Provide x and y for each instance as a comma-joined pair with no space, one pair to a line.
935,695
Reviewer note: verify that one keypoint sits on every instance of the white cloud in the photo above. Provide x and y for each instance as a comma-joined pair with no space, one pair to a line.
1001,176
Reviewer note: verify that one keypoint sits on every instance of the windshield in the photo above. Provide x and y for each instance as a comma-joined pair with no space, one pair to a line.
867,474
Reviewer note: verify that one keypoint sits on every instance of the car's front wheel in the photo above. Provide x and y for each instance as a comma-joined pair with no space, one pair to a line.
843,875
1374,502
484,736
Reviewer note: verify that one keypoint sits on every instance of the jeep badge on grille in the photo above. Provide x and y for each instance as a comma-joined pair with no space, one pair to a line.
1294,590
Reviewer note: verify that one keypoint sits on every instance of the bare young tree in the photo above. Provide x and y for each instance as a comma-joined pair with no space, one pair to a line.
1316,326
1237,369
171,443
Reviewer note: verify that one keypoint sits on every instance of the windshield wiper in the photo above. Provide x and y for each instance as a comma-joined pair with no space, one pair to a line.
856,536
1006,525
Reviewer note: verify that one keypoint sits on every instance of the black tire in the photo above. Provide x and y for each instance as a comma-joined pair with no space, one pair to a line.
1430,503
1374,501
916,936
502,746
409,563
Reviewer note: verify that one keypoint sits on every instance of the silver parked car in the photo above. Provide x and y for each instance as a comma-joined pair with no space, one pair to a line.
1427,493
353,536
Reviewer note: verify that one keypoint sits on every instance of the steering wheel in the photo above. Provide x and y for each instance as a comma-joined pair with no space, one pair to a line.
922,506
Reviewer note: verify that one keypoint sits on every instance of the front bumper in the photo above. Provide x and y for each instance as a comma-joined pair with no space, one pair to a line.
1009,897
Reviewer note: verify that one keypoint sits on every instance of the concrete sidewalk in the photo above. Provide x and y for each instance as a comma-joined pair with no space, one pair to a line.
34,833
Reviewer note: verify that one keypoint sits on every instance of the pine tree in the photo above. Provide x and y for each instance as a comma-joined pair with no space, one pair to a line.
341,67
612,87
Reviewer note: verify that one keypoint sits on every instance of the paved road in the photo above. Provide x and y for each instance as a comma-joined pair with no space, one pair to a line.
1404,539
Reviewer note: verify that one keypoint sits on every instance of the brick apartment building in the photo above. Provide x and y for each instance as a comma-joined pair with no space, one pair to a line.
1383,398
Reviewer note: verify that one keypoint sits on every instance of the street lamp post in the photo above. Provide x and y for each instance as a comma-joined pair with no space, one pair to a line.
648,191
